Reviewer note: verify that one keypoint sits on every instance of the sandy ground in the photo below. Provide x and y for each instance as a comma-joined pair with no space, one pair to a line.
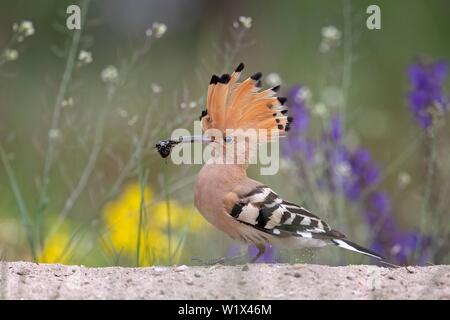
25,280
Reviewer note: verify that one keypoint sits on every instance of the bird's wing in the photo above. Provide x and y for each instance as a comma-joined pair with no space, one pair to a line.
264,210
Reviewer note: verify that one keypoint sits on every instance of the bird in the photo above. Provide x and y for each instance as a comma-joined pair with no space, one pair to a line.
243,208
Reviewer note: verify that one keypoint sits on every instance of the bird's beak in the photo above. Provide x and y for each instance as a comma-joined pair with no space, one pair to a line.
191,139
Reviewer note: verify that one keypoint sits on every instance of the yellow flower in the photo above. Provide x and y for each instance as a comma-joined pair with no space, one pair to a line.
56,246
162,227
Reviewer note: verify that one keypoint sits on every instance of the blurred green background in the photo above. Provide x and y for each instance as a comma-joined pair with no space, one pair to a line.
133,114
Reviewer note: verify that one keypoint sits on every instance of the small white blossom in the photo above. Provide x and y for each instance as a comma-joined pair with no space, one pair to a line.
67,102
54,133
156,88
331,38
122,112
320,109
343,169
192,104
85,57
246,21
183,105
404,179
133,120
273,79
10,54
148,32
25,28
110,74
159,29
396,249
331,33
304,94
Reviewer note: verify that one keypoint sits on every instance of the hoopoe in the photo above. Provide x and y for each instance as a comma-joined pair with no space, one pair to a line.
241,207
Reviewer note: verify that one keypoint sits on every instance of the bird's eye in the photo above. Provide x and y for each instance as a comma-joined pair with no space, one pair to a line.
228,139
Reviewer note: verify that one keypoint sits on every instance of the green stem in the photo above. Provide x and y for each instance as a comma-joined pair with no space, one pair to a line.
169,222
23,210
51,147
142,213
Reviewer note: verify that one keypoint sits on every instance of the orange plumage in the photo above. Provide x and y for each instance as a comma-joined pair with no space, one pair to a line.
241,105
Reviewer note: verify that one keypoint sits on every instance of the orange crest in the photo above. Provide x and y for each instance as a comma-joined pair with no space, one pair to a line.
242,105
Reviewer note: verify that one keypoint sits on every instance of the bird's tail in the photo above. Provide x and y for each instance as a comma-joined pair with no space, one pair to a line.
357,248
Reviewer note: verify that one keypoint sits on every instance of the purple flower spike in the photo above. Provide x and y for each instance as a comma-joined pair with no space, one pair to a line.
298,109
336,129
426,93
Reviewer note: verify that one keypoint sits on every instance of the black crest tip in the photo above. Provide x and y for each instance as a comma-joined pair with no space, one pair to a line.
214,79
240,67
288,127
256,76
276,88
282,100
204,113
225,78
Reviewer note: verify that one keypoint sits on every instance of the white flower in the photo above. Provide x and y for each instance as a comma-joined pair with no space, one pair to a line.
159,29
85,57
25,28
148,32
10,54
331,38
54,133
273,79
67,102
131,122
404,179
320,109
246,21
156,88
304,94
331,33
110,74
192,104
122,112
343,169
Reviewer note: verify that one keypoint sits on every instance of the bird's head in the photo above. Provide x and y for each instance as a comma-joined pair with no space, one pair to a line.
239,116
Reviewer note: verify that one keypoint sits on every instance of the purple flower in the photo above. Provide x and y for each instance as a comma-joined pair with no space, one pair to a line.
298,110
354,173
380,203
426,92
296,142
269,256
336,129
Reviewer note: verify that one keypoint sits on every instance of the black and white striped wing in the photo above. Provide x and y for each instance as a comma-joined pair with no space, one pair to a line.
264,210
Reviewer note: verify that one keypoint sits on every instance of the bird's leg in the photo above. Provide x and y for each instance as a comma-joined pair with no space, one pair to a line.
261,250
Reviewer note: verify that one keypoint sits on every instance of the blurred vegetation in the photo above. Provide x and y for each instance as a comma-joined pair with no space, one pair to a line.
80,181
